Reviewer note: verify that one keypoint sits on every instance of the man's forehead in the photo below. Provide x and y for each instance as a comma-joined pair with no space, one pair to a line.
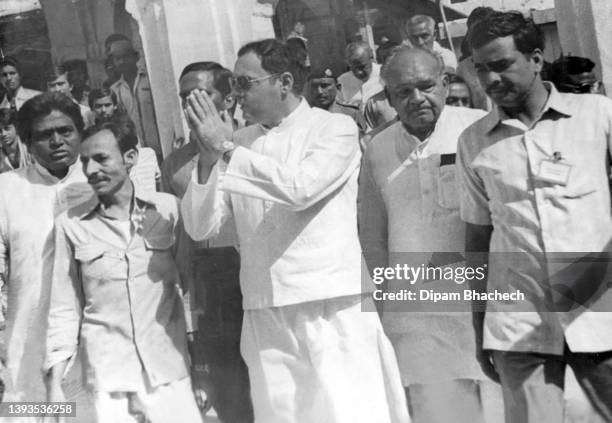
103,100
495,50
414,64
120,47
249,64
53,119
8,69
323,81
420,28
459,88
197,79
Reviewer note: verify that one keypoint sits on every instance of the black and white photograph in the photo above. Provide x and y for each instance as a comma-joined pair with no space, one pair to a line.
305,211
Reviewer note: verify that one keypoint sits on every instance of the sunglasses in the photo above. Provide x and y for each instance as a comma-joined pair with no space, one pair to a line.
244,83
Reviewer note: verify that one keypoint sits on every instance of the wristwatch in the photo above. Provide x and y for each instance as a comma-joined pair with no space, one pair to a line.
227,148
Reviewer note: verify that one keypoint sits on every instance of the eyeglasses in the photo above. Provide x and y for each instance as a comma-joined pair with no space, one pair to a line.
244,83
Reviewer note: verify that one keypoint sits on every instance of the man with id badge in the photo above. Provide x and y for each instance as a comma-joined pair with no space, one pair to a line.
535,196
409,214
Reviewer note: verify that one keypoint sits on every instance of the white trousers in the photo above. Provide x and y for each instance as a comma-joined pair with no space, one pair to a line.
322,362
172,402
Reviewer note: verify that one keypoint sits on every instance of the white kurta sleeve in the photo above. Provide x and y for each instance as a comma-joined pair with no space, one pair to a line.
373,222
66,306
205,208
328,162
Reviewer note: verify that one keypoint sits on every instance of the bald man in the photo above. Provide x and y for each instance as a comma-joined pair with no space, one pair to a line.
362,81
421,32
409,215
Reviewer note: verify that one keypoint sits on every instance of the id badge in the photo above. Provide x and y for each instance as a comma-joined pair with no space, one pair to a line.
554,171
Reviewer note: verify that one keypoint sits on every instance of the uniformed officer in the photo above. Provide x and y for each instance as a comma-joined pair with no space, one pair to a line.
323,91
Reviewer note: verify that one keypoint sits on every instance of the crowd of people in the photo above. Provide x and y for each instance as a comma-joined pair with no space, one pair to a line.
236,273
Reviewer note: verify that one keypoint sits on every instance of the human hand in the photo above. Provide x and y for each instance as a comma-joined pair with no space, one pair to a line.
211,130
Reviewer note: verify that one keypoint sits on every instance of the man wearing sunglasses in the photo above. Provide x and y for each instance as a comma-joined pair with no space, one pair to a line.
312,354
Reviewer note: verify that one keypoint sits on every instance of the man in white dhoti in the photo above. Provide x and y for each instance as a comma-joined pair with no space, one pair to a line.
30,198
312,354
409,213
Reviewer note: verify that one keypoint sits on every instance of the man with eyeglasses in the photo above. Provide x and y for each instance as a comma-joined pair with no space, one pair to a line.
212,267
312,354
30,198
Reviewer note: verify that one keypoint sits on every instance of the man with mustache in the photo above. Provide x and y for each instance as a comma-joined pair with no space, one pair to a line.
10,78
324,86
50,125
534,178
409,204
115,291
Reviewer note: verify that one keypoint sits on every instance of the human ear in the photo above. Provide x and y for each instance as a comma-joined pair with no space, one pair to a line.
130,158
286,80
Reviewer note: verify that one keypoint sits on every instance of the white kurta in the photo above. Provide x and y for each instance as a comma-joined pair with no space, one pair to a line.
292,193
30,199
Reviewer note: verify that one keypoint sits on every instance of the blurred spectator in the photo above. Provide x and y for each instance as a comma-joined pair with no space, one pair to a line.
324,87
298,34
13,153
363,79
103,103
421,32
574,74
466,70
384,49
77,69
134,91
58,79
458,92
10,78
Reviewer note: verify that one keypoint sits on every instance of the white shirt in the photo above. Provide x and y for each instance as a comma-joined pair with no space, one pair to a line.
21,96
30,199
542,230
356,92
409,212
292,193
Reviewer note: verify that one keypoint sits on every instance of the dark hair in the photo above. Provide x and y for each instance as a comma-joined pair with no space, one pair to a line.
114,38
276,57
122,127
55,72
41,106
527,36
97,93
453,78
10,61
7,117
221,75
479,13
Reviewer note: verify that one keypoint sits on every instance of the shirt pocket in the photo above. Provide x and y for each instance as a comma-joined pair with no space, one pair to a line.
448,191
161,265
97,261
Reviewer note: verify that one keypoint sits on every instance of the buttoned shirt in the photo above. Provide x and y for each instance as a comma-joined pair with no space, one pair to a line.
292,193
409,211
138,104
357,92
541,227
30,198
115,292
21,96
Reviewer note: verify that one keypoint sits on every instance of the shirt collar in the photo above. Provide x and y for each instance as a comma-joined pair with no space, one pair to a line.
143,199
295,115
555,102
